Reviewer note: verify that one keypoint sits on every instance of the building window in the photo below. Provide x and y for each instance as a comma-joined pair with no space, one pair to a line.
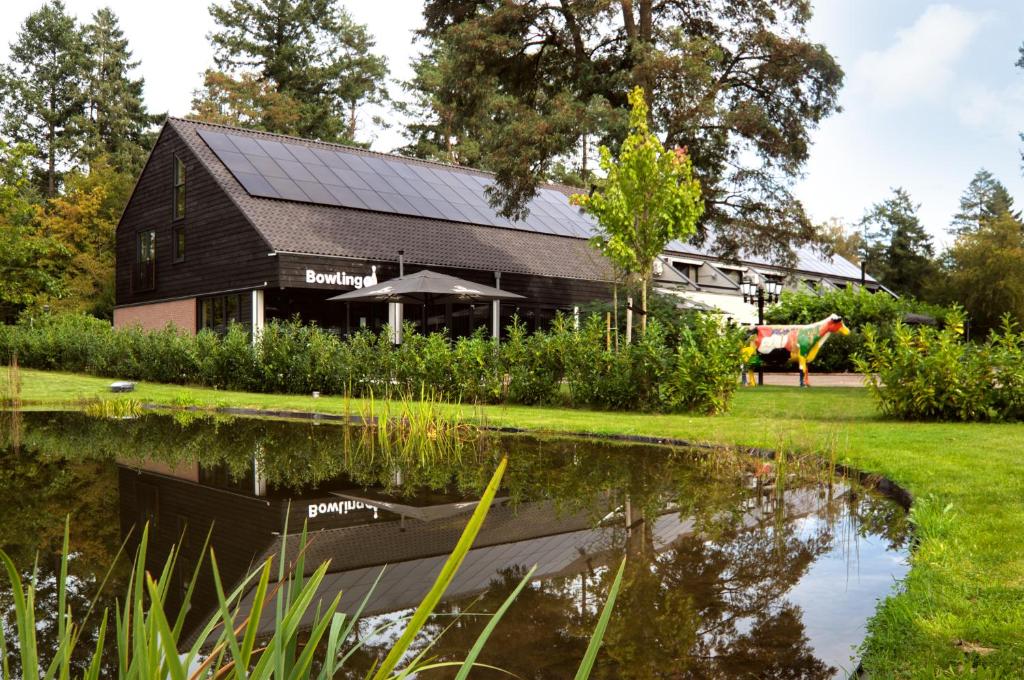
218,313
179,188
144,275
686,269
179,244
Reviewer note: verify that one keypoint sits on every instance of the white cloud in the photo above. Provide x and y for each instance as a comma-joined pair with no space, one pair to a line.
993,109
920,63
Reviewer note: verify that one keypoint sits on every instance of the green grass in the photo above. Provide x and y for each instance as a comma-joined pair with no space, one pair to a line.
961,610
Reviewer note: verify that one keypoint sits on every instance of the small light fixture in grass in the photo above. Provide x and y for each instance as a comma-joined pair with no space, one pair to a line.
648,199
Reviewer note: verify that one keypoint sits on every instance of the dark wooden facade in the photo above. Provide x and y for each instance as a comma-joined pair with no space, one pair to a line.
223,252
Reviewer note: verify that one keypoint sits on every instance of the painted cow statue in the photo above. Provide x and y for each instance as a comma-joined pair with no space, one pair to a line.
797,344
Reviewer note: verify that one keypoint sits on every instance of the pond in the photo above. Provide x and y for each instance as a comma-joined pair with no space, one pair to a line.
735,568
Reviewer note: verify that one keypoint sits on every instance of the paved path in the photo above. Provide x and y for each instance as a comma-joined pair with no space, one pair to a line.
817,379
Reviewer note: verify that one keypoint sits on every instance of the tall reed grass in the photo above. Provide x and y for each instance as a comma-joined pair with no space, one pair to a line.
150,643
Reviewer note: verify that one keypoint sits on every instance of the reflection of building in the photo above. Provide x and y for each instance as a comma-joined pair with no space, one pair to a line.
230,225
366,532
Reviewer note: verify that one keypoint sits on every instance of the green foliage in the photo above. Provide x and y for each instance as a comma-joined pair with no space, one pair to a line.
693,369
858,308
985,198
930,374
117,123
898,250
648,199
291,67
520,87
42,90
986,272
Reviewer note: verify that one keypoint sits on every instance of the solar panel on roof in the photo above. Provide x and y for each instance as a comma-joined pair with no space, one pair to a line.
295,171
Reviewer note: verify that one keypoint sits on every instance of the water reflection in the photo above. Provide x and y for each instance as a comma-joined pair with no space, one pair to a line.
724,579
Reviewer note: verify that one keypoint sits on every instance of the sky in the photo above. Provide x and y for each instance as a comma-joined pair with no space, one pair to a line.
931,92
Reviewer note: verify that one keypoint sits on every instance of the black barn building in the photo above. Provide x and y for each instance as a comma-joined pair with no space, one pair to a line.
229,225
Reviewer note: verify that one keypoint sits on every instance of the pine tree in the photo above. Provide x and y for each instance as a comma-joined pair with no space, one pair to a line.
739,84
898,250
42,89
118,124
984,198
309,51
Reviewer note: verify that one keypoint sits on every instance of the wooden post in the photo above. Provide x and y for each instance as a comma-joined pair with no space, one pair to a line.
629,320
615,310
608,331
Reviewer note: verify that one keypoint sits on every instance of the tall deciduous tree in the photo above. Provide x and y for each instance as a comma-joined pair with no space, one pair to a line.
43,90
984,198
649,198
986,273
739,84
30,261
310,52
898,250
118,125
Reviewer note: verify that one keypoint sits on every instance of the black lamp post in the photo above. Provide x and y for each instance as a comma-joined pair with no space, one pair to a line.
767,291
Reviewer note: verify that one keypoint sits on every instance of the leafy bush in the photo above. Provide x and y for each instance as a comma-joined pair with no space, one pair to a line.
930,374
686,368
858,309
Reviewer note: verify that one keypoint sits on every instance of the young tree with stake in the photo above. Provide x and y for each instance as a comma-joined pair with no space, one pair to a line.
650,198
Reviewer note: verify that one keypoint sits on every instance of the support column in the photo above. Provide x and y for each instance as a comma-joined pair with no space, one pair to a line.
629,320
496,311
258,319
395,321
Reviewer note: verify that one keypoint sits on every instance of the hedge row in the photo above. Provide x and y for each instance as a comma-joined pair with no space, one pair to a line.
564,365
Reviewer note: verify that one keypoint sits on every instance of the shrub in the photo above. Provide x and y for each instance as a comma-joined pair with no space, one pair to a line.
930,374
533,366
698,373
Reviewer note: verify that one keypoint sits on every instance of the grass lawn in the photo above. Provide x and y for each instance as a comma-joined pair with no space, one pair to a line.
961,610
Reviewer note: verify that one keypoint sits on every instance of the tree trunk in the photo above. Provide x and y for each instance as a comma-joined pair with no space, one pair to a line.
51,171
583,162
628,20
643,307
615,307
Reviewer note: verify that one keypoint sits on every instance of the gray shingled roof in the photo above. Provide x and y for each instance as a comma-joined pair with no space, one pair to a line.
529,247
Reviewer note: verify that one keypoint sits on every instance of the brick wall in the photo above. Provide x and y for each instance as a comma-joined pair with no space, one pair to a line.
155,316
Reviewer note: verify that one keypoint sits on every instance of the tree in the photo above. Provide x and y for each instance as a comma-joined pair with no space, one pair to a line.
986,272
42,89
118,125
30,261
83,219
309,51
984,198
738,84
839,239
245,101
649,198
898,250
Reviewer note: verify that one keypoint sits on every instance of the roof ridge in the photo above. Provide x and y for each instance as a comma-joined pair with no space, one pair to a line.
555,186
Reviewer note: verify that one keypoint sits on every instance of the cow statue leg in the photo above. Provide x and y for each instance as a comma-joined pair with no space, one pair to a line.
805,377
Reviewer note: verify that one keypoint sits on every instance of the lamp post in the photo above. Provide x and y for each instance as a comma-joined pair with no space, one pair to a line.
767,291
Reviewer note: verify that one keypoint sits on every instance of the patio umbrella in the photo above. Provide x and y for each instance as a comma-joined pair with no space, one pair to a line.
427,287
